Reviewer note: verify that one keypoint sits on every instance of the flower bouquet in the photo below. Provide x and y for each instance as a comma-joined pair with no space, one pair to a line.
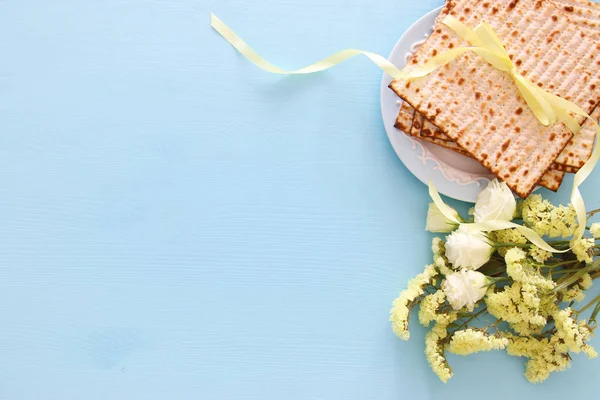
495,283
499,290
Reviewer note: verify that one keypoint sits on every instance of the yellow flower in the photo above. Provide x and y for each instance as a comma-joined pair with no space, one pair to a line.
538,254
520,305
429,310
402,305
572,333
507,236
519,269
586,282
582,249
577,292
437,246
548,220
573,294
429,307
595,230
545,356
434,351
470,341
439,258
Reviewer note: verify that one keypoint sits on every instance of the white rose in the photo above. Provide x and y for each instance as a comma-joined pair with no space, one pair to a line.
495,202
468,248
465,288
437,222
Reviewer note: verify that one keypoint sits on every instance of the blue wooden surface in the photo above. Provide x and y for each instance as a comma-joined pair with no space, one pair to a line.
177,224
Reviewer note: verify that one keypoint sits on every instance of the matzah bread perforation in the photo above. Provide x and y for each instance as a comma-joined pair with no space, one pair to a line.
404,121
552,179
417,125
430,130
570,159
583,13
579,149
491,121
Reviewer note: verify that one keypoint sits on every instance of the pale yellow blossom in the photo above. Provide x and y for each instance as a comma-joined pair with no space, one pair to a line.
439,258
586,281
402,305
545,356
547,219
434,351
595,230
429,310
582,248
437,246
538,254
520,305
507,236
573,294
573,334
577,292
518,268
470,341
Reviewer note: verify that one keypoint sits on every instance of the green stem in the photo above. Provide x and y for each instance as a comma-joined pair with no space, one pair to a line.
484,309
566,281
559,264
566,271
499,245
589,305
591,213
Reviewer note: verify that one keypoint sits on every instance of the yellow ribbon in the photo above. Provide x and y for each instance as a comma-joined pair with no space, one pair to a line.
334,59
547,107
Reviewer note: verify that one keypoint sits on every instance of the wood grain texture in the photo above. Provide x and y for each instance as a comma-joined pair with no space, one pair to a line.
176,224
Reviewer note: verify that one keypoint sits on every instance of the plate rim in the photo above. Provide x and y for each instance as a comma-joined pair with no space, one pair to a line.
415,154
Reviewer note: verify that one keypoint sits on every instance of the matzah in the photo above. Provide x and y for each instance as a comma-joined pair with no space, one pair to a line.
404,121
480,107
586,15
551,180
579,148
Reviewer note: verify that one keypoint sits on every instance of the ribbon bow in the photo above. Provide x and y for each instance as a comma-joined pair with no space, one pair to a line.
546,107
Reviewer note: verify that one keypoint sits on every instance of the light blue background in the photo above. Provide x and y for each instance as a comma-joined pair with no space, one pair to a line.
177,224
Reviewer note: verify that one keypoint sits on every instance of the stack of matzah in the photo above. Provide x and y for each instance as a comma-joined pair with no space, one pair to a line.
477,110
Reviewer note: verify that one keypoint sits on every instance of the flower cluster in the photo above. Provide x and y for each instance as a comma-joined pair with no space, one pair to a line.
497,285
548,220
407,300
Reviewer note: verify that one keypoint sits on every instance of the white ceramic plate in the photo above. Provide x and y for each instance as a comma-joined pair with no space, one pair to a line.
454,175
